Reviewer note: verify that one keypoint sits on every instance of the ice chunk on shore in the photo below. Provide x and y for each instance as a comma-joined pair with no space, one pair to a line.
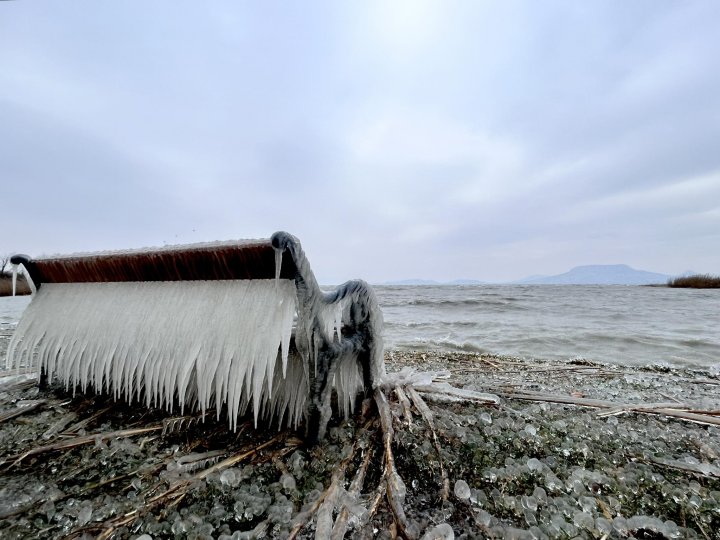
462,490
440,532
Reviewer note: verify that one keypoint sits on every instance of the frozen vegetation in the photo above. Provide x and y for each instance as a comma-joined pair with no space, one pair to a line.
87,466
696,281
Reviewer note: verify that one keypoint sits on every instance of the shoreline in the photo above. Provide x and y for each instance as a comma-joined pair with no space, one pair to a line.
552,470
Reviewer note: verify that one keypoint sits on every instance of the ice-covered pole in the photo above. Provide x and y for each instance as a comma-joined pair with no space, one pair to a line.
360,339
30,270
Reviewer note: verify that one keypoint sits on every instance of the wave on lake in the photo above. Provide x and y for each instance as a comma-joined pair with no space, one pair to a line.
630,325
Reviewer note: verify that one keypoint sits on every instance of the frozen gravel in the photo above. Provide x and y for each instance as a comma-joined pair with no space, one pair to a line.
521,470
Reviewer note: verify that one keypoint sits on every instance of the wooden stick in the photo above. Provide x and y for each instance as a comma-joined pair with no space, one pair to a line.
380,490
18,385
82,423
489,362
709,471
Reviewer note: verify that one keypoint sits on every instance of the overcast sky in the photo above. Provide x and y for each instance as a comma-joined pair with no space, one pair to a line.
396,139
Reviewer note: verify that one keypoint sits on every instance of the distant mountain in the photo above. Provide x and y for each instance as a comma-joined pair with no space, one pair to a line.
465,282
529,279
600,274
412,282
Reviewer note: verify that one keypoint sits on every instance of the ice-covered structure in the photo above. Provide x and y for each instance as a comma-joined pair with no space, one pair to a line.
223,326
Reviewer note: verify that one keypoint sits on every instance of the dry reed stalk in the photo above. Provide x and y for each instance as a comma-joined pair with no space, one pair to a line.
665,409
229,462
395,487
78,441
86,421
9,415
177,492
340,526
303,518
405,404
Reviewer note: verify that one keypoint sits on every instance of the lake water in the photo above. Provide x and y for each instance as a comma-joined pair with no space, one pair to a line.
616,324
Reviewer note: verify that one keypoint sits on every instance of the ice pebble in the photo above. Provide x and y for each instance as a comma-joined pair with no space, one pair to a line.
462,490
440,532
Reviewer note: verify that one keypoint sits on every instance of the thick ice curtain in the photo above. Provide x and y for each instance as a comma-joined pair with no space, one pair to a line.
208,343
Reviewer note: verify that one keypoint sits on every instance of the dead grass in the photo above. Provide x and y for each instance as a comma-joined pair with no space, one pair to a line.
697,281
6,285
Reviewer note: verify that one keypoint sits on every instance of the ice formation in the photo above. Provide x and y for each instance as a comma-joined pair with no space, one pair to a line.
204,344
196,342
338,333
14,278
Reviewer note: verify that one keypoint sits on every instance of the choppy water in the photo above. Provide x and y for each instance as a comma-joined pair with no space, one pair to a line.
623,325
11,309
618,324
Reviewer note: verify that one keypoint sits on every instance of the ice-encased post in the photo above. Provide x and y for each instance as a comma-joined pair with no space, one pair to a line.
360,339
33,280
30,270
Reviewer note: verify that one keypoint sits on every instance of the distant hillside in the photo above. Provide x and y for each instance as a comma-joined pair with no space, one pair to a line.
601,274
412,282
598,274
530,279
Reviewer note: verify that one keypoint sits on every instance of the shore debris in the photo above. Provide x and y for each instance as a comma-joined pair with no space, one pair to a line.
624,460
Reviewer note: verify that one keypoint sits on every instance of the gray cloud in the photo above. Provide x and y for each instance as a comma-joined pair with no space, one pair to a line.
412,139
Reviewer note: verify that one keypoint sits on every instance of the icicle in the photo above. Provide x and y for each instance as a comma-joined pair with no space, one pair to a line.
348,383
188,343
278,264
222,344
14,277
